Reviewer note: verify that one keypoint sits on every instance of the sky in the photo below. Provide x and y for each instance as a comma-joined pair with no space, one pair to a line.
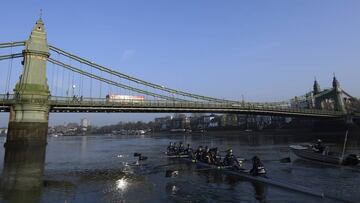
264,50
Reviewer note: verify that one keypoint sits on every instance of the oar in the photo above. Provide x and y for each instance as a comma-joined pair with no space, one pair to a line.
283,160
174,173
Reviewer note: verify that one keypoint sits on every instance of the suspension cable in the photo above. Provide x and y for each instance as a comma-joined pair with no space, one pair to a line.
127,77
109,81
12,44
11,65
10,56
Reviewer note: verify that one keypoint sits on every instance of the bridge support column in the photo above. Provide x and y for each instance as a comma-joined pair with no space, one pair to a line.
28,123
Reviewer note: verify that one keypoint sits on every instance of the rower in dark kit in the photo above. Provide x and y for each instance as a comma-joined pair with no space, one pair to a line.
231,160
198,153
188,148
258,168
175,148
206,155
170,148
189,151
214,159
181,148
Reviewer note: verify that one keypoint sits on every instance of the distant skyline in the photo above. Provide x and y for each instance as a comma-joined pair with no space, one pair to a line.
264,50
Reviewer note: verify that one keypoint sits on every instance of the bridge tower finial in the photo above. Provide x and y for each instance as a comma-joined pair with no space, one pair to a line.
335,83
40,14
316,87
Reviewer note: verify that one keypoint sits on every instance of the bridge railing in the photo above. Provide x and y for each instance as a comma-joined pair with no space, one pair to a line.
9,99
102,102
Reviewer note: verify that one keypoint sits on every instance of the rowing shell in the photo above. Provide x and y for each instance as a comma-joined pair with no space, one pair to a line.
170,155
261,179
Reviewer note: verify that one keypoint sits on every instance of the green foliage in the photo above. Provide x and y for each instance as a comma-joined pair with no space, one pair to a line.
139,125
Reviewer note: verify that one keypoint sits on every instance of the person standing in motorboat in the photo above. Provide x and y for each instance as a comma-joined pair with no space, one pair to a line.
319,147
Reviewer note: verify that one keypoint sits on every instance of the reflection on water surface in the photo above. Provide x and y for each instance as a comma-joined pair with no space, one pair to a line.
103,169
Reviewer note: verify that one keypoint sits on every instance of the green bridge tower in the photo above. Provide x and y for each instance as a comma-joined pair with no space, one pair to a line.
28,123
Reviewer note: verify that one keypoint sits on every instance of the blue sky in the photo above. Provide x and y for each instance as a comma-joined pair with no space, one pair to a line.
264,50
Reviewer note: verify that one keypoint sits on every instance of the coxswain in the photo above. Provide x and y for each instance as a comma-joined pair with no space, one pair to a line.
231,160
258,168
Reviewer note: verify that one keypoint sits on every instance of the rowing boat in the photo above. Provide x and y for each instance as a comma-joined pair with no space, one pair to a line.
306,152
261,179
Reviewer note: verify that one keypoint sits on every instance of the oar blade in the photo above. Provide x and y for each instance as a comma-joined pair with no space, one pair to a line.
142,158
171,173
285,160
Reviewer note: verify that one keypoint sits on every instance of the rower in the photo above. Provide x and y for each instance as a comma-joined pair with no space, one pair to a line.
258,168
170,148
214,159
198,153
319,147
181,148
231,160
206,155
175,148
188,149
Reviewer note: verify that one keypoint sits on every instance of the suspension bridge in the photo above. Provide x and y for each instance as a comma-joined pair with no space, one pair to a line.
53,80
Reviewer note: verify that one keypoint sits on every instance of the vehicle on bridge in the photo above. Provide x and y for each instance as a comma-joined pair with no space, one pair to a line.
124,98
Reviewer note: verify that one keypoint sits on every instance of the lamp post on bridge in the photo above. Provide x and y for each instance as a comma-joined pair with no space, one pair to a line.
73,90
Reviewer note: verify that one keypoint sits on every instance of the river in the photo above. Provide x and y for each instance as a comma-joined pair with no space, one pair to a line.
103,169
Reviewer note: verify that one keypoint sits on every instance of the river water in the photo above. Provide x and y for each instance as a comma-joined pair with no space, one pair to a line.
103,169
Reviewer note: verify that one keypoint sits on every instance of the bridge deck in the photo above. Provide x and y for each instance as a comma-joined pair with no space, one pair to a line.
68,104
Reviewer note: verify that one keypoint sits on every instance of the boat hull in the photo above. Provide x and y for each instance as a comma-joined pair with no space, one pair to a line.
260,179
308,153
